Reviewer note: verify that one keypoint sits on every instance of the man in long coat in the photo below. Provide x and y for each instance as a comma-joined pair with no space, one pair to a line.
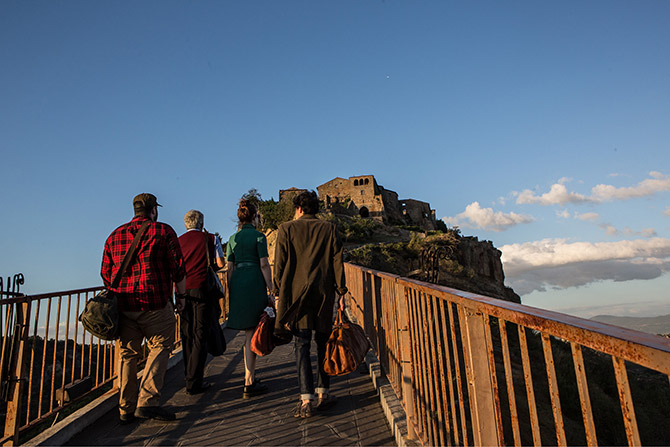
308,272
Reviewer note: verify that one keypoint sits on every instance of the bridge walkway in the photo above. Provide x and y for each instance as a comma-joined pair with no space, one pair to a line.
221,417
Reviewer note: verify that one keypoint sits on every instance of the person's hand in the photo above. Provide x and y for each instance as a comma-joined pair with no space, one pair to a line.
271,300
342,302
180,304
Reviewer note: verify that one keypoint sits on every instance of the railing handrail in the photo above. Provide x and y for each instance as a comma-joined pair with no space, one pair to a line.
446,350
528,316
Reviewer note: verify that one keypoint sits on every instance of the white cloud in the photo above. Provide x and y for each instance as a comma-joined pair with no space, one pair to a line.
610,229
475,216
556,263
559,195
667,211
587,216
564,214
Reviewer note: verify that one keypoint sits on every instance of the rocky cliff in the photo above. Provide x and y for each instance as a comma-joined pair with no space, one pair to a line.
440,257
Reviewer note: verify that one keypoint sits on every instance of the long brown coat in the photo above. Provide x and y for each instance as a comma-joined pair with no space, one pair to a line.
308,270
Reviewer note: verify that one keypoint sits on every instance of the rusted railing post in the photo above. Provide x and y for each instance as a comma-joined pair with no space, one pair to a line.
16,372
482,392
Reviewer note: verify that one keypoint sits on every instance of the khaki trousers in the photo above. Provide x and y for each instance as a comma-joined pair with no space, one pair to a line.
158,327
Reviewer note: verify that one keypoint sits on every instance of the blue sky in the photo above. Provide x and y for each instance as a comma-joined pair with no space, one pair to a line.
541,126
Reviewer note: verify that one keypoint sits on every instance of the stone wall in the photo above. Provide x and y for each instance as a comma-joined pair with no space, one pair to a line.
362,196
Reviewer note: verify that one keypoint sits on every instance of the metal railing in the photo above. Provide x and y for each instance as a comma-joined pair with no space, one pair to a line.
49,362
474,370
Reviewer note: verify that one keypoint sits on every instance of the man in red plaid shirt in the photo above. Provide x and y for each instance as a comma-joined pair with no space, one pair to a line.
145,306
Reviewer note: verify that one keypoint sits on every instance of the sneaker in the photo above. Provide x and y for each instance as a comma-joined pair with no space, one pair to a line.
200,389
326,402
126,418
158,413
256,389
303,410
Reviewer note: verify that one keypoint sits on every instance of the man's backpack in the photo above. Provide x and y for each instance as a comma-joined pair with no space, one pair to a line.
101,313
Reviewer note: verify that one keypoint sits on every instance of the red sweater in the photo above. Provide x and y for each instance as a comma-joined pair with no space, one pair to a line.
195,258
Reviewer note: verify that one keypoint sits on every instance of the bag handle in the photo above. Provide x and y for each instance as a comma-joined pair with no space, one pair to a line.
209,260
129,254
340,318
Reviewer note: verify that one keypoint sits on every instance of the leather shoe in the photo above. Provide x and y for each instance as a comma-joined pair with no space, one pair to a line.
201,389
126,418
303,410
326,402
158,413
256,389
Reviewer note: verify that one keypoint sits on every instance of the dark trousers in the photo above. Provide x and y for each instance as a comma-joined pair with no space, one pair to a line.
194,337
303,342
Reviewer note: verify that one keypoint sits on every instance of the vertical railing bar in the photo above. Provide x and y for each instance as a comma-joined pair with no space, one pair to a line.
494,377
408,358
626,399
469,374
511,395
90,356
97,365
55,354
421,382
67,335
31,383
429,317
44,356
428,394
443,404
104,361
74,338
8,323
584,398
449,376
528,378
413,327
553,390
457,365
394,306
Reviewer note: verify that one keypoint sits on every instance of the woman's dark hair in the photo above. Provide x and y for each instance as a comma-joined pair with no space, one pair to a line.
308,201
246,211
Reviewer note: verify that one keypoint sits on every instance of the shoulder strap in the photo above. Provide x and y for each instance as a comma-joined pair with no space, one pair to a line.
209,261
129,254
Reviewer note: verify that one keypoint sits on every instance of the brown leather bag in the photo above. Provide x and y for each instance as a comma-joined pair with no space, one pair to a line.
346,347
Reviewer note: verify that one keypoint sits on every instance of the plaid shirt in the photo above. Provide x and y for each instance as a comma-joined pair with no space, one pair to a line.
158,262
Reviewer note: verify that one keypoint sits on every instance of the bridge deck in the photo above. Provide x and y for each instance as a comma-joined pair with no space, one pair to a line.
221,417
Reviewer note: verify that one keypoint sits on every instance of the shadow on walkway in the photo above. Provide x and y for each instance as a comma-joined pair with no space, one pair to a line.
221,417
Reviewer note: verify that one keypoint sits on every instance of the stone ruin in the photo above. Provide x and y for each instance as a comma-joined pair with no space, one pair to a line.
363,196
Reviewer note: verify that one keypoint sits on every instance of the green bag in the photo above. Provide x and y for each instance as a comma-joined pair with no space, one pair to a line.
101,313
101,316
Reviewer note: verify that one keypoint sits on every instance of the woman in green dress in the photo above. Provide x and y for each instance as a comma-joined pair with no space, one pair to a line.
250,285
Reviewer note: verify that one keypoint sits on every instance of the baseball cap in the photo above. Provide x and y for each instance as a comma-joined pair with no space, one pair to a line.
145,201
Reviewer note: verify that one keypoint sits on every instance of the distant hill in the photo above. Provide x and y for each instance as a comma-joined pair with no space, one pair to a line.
652,325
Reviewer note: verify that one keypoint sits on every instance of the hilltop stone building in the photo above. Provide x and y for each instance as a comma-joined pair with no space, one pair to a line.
363,196
289,194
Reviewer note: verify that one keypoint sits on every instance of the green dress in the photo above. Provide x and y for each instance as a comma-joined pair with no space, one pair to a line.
248,292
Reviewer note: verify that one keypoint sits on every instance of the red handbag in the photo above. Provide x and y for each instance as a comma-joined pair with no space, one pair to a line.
262,342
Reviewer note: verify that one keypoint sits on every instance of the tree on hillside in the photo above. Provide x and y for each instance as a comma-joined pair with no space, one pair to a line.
272,213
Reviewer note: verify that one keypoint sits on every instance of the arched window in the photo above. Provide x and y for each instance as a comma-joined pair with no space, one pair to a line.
356,182
367,180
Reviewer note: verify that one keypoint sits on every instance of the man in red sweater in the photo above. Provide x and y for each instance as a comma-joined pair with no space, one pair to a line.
194,245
